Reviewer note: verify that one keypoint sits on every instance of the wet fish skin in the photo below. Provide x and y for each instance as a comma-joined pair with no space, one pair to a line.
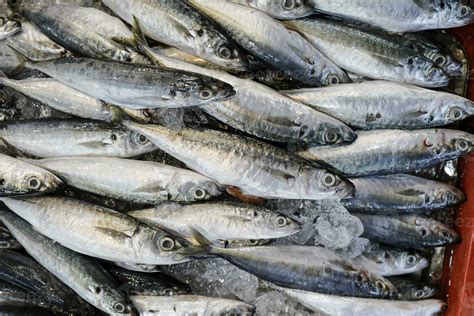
7,241
178,24
407,231
8,27
135,86
396,17
82,274
97,231
392,261
220,221
18,177
65,99
136,283
393,151
9,59
401,193
194,304
280,9
271,42
86,31
142,182
58,138
342,306
408,290
222,156
375,55
385,105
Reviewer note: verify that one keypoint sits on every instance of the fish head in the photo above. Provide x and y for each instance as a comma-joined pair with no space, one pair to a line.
448,63
433,232
417,291
333,132
224,53
444,196
449,109
30,181
132,142
167,247
336,187
201,92
283,9
375,285
421,69
453,13
408,261
333,75
458,141
275,222
109,299
199,190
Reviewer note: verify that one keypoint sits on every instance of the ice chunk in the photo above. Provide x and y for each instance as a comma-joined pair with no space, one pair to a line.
356,248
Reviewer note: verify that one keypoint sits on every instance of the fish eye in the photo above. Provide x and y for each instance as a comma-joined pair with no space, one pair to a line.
380,285
456,113
4,245
205,93
448,197
445,234
463,11
140,139
199,193
333,79
432,72
329,180
411,259
462,145
418,222
119,307
419,294
288,4
330,137
224,52
439,60
166,243
168,292
33,183
253,242
280,221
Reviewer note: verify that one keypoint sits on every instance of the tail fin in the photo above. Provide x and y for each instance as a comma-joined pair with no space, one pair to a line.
142,44
200,245
25,61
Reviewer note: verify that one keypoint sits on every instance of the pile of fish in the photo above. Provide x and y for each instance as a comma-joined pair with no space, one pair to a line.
246,102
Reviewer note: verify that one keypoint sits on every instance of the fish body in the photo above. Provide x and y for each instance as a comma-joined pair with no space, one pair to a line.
369,53
400,17
393,151
220,221
58,138
280,9
82,274
8,28
135,86
271,42
141,182
255,167
407,231
385,105
96,231
401,193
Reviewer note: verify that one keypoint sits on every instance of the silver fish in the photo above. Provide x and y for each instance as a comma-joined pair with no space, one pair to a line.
270,41
179,305
135,86
7,241
58,138
384,104
407,231
369,53
409,290
178,24
401,193
82,274
97,231
269,171
8,27
63,98
393,151
18,177
400,16
280,9
86,31
142,182
220,221
392,261
351,306
277,118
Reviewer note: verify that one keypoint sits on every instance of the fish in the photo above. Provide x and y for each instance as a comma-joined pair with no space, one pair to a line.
178,24
175,53
34,44
407,231
132,85
388,261
386,105
8,27
310,268
142,182
280,9
396,17
269,41
189,304
97,231
19,178
277,118
409,290
393,151
82,274
158,284
220,220
401,193
86,31
25,273
10,62
369,53
7,241
342,306
270,172
65,99
57,138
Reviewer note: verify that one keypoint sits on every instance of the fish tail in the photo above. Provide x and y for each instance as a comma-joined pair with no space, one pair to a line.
25,62
142,44
200,245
